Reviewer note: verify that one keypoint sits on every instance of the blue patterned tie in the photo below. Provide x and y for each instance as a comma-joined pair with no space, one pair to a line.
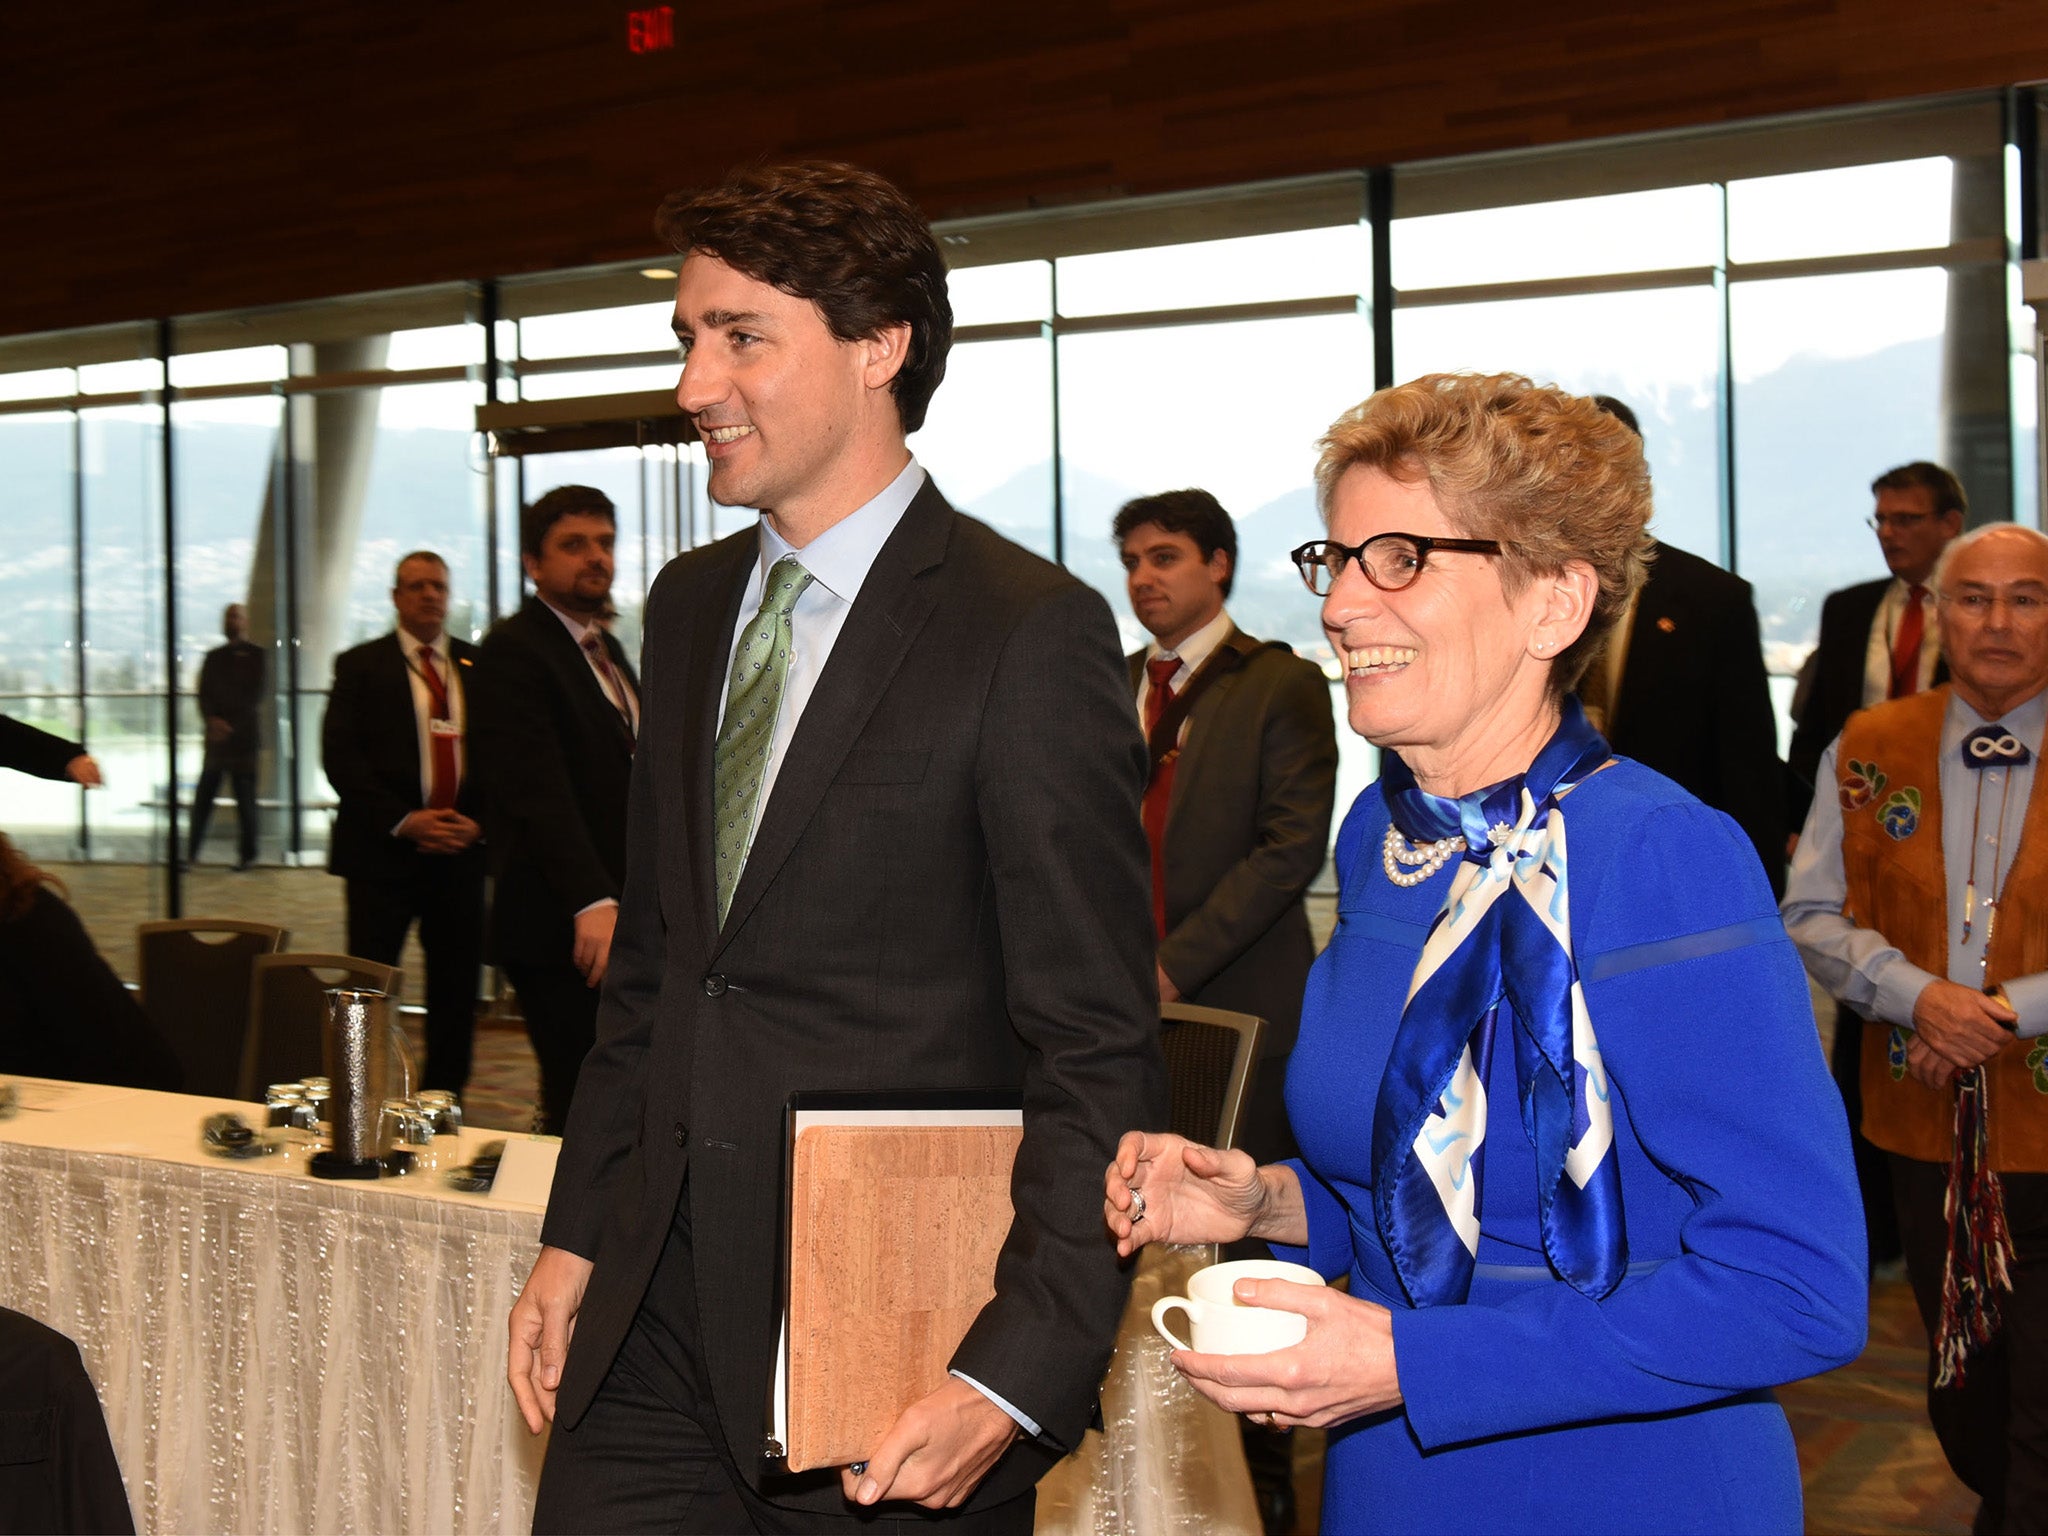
753,700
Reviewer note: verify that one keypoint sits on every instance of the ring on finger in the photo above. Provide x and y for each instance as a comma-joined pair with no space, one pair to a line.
1137,1206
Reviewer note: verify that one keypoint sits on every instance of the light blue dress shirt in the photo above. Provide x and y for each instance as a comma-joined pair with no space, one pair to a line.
839,560
1859,965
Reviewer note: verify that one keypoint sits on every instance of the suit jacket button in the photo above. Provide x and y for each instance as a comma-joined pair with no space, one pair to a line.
714,986
682,1134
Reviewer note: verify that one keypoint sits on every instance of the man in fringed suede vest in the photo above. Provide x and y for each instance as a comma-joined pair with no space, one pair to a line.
1919,898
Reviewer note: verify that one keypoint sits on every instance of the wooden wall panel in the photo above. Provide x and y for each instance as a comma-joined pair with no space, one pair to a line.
174,159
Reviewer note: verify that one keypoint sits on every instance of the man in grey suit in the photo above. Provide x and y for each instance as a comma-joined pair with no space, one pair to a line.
1243,776
883,834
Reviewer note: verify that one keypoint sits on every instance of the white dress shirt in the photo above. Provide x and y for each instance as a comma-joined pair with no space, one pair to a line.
1884,630
621,695
423,707
839,560
1190,653
1859,965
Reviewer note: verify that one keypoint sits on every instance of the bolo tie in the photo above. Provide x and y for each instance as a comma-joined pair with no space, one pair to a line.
1989,746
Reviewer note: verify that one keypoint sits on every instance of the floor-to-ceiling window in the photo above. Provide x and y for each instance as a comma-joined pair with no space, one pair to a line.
1791,308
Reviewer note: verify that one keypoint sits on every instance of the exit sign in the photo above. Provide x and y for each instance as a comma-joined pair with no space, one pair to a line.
651,30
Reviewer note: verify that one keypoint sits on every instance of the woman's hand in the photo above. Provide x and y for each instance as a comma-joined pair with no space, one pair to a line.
1186,1192
1343,1369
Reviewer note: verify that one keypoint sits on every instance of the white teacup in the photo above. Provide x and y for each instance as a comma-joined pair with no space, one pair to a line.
1222,1325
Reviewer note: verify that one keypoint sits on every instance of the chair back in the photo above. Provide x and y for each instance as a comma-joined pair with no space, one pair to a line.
1210,1057
196,974
287,1006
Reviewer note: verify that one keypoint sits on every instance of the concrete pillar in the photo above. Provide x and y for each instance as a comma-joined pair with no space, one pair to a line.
2034,286
1976,376
332,438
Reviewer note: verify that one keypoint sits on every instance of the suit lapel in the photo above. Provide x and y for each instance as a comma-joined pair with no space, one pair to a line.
394,684
704,664
583,682
892,607
1202,717
1650,606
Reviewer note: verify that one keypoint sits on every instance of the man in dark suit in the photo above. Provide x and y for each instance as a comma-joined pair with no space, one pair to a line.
1878,641
406,830
1682,689
43,755
1243,778
885,835
557,712
231,682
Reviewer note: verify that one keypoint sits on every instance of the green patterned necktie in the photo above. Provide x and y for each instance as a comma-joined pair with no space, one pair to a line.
753,699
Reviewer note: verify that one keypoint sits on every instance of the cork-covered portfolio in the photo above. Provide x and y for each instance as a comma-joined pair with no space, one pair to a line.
893,1234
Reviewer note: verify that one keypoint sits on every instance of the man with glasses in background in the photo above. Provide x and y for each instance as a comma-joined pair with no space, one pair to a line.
1878,641
1919,898
406,830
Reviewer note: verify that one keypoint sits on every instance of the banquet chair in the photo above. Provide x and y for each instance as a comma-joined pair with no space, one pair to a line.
1210,1057
286,1006
195,975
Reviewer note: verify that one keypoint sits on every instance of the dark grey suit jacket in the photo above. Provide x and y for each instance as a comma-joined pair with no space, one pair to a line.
33,751
1247,829
370,747
1837,691
947,889
1695,701
554,760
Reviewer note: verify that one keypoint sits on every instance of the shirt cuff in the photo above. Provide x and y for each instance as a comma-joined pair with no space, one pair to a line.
2029,998
602,901
1899,985
1023,1419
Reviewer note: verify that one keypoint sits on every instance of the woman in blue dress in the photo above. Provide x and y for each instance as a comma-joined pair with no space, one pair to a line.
1563,1114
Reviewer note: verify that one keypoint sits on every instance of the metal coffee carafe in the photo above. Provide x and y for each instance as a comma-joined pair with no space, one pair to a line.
355,1046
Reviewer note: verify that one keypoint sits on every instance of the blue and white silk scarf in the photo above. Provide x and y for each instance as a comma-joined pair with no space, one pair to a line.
1503,936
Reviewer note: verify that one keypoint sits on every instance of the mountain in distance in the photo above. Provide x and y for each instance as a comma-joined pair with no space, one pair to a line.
1810,437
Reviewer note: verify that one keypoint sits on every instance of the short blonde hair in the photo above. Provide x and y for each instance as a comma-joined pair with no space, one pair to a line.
1551,476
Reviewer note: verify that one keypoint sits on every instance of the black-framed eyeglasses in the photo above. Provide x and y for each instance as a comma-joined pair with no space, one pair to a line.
1390,561
1879,521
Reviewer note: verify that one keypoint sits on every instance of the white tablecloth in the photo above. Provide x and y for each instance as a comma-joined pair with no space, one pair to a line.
280,1353
274,1352
1169,1462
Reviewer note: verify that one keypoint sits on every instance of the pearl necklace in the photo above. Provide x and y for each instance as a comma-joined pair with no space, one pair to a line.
1426,858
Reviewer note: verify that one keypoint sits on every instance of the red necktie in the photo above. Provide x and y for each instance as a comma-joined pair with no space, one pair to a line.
614,684
442,778
1159,790
1906,645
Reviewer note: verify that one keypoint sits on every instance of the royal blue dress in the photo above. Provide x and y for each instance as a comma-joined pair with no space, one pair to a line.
1530,1407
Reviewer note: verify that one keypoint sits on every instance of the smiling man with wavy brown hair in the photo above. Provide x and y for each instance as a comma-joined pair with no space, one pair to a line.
884,836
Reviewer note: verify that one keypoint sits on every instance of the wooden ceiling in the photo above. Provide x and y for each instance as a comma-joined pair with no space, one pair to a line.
178,159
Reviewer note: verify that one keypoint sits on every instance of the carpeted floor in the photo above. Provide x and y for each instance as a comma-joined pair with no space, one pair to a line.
1869,1461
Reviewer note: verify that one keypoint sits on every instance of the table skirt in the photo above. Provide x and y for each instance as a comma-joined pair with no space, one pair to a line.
276,1354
